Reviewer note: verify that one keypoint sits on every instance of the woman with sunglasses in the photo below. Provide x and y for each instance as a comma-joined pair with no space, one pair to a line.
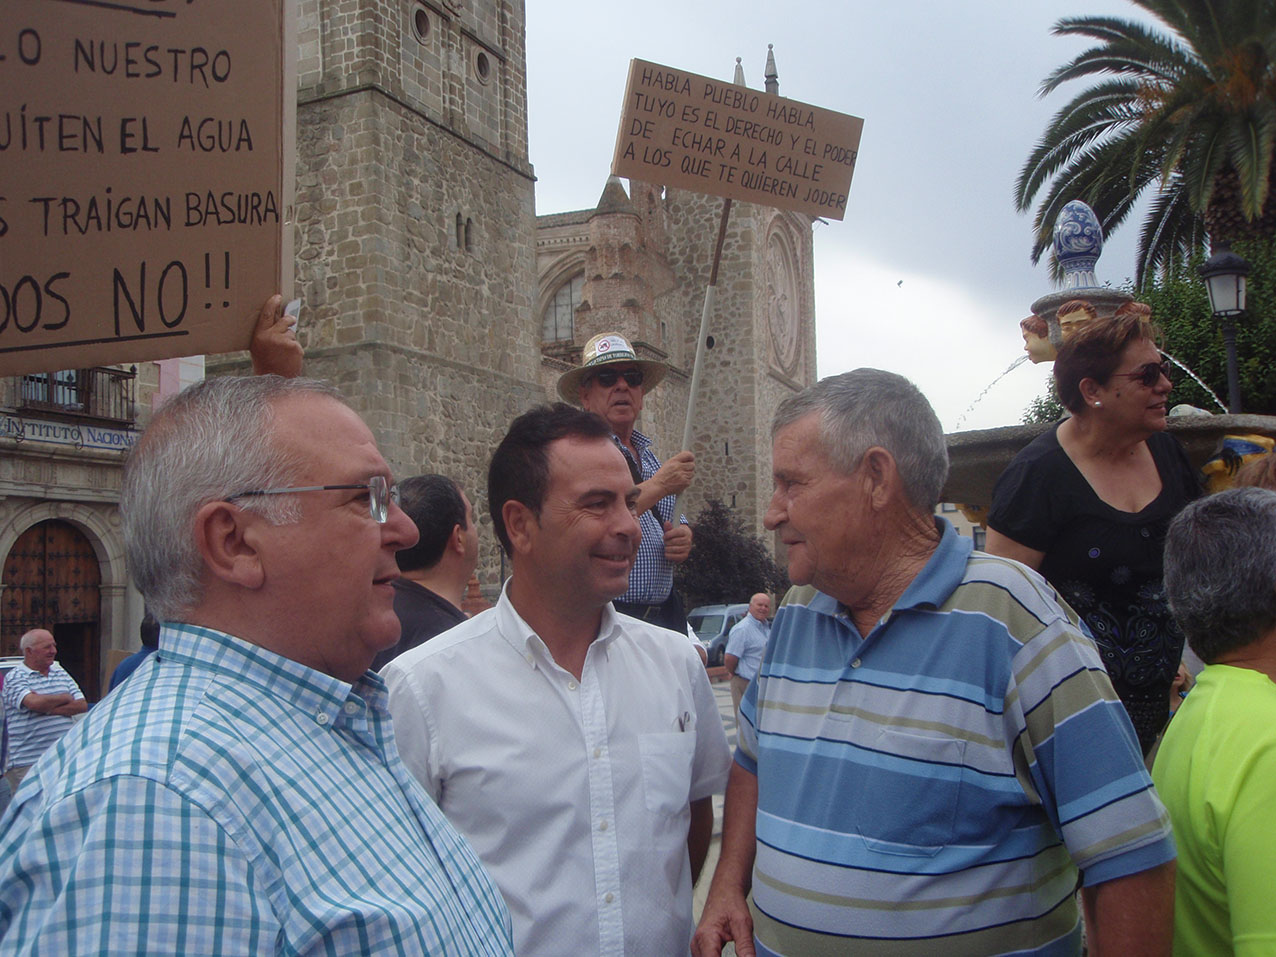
1088,502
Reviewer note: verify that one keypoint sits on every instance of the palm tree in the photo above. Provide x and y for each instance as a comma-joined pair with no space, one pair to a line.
1192,114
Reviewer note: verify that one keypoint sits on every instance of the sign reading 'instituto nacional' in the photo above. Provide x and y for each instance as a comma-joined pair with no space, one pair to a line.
145,154
693,132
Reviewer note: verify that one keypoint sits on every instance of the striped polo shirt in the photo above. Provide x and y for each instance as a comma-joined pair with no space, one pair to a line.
935,786
30,732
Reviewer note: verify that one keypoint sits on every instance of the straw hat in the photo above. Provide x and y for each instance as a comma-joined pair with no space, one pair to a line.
605,350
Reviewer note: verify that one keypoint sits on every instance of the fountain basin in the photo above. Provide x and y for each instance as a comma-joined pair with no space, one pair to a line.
978,457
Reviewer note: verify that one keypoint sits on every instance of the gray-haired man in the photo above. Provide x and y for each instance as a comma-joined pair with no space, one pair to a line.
932,748
241,793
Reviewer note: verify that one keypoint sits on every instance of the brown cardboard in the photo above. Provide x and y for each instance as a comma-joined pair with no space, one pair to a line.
146,154
696,133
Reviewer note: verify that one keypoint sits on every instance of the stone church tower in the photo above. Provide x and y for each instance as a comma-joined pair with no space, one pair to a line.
415,225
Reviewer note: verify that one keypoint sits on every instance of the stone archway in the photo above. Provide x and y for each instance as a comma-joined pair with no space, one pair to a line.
53,580
97,525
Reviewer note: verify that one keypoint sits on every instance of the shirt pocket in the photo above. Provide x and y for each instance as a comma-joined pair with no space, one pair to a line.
667,758
909,794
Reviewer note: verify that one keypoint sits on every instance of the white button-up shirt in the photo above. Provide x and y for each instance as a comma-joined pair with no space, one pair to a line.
575,794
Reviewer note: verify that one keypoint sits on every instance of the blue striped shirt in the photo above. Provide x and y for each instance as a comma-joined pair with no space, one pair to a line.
226,800
30,732
940,781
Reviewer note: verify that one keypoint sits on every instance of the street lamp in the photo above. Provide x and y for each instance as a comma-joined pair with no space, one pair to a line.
1224,274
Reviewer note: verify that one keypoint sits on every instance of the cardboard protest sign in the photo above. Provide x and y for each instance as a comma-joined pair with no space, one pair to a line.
146,151
696,133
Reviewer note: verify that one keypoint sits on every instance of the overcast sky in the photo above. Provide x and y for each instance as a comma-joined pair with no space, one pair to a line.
948,94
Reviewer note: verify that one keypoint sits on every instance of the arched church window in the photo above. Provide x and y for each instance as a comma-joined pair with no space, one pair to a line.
559,321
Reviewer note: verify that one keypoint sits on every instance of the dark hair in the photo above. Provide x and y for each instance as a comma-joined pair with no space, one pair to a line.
1220,570
434,504
149,631
1094,351
519,470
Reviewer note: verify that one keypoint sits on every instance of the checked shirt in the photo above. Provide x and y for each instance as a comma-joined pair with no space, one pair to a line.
226,800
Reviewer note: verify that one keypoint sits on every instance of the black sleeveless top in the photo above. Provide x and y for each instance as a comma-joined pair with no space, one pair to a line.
1106,563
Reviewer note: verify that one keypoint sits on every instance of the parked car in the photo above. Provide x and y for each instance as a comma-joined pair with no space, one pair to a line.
712,624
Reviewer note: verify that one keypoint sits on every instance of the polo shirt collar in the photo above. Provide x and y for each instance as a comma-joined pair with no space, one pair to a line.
938,579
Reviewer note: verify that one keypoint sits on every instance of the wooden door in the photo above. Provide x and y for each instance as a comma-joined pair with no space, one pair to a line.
52,580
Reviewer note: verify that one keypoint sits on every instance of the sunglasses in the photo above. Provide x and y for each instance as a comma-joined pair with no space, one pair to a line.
380,494
1149,374
608,377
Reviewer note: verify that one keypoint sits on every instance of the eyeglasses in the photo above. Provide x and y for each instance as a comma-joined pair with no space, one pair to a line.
607,377
380,494
1149,374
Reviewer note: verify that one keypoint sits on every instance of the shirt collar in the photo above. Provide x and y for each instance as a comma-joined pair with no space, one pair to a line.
524,640
282,678
938,579
941,575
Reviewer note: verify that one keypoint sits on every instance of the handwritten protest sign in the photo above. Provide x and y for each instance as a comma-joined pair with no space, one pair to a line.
692,132
146,151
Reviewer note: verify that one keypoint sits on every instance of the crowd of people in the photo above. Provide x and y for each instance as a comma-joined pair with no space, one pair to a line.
939,750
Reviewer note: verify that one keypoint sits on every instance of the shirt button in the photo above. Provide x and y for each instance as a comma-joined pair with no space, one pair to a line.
608,897
602,825
598,752
322,717
855,663
571,686
1145,533
349,707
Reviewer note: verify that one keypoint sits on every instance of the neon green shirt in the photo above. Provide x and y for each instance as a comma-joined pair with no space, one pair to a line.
1216,773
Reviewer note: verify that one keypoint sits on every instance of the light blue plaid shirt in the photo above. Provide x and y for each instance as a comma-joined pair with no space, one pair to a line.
227,800
652,575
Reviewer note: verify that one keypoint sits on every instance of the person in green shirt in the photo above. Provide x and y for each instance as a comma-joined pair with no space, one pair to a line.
1216,769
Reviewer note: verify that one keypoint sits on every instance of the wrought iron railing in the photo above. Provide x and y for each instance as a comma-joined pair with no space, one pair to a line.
97,393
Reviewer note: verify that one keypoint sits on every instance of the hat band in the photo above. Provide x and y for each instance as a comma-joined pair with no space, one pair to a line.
619,355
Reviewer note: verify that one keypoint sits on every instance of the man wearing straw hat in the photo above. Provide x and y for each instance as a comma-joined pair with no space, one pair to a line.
611,382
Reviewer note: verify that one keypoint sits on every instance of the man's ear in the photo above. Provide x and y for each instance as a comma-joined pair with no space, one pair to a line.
519,521
225,538
881,475
456,541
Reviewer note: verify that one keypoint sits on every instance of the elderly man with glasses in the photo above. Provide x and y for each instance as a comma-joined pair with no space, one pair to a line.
242,792
611,382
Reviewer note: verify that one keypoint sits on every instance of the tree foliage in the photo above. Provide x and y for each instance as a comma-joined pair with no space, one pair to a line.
1191,114
1044,408
727,563
1180,306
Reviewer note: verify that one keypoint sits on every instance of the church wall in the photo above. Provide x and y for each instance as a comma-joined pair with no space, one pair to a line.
415,227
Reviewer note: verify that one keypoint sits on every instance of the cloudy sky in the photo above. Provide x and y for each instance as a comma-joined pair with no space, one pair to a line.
948,93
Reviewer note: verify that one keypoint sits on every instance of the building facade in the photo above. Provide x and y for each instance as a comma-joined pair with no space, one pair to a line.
439,302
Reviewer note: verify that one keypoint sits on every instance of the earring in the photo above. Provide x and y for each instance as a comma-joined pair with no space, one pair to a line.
1098,404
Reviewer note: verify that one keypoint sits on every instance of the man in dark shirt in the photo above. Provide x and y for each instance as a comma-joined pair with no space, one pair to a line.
436,570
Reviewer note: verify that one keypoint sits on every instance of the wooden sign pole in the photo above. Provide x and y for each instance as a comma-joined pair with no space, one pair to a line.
702,341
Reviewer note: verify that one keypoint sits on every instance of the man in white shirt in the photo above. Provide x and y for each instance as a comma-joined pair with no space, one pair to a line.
576,749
